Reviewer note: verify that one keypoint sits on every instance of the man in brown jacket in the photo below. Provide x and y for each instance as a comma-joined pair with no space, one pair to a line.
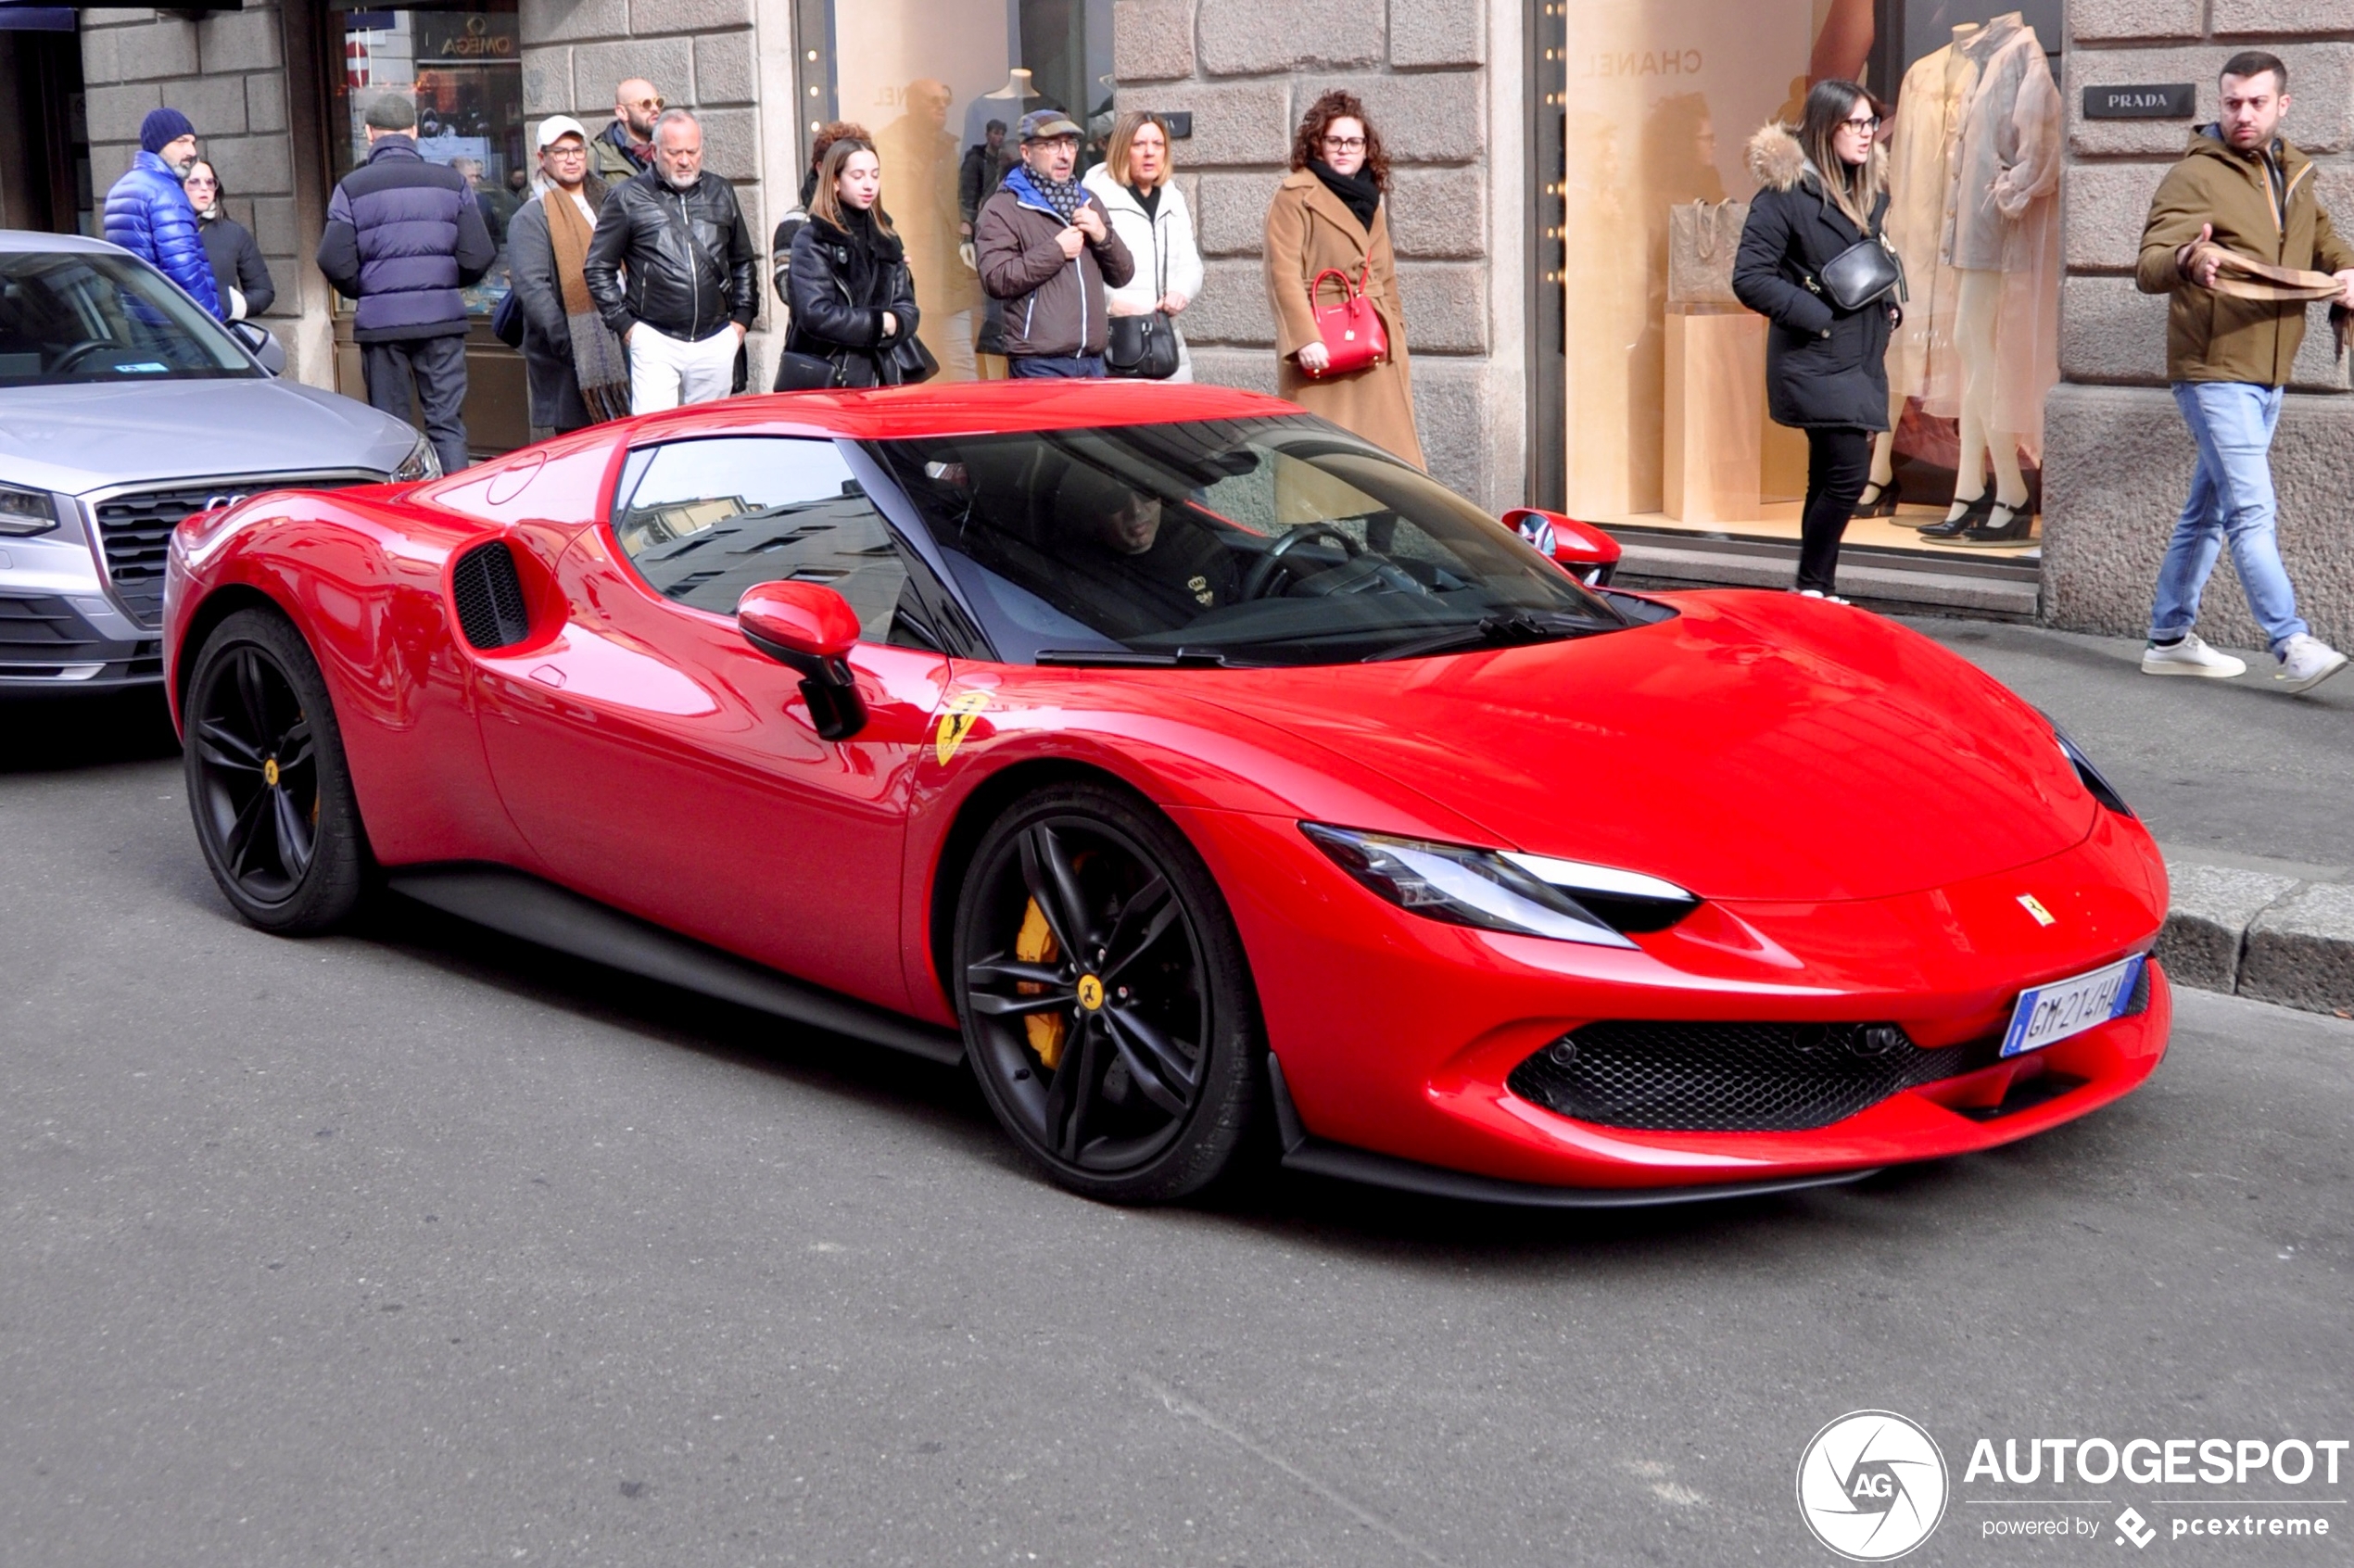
1044,249
2240,188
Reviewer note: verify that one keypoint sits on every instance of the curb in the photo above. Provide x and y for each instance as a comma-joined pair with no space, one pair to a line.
2272,931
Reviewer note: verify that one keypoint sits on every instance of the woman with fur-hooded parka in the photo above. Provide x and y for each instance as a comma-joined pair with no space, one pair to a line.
1823,367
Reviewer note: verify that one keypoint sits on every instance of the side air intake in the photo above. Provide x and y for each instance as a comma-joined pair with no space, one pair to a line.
489,595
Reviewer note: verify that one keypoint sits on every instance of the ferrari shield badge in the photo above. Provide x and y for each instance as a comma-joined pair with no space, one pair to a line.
2035,906
957,722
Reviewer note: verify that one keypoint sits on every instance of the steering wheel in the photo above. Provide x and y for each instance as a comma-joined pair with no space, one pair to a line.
71,359
1262,572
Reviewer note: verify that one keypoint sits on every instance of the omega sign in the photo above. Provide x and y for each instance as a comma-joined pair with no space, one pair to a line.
476,40
2173,100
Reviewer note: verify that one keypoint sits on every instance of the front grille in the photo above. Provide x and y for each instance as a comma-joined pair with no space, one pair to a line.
135,530
1732,1077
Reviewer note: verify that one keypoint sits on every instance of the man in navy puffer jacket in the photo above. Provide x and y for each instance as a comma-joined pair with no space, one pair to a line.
148,214
402,238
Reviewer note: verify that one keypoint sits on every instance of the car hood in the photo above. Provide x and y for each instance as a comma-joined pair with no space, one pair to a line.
1756,746
78,438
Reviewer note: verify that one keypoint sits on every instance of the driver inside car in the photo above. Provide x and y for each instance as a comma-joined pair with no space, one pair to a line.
1164,567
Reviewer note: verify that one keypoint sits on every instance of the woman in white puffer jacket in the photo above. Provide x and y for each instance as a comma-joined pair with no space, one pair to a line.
1149,214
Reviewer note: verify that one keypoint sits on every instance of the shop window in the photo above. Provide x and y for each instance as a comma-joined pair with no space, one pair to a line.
462,69
926,78
1663,402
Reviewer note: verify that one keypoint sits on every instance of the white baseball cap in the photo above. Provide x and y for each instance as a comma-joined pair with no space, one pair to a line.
557,125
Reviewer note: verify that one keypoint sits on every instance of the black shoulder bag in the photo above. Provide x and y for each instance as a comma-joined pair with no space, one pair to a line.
1144,348
1865,270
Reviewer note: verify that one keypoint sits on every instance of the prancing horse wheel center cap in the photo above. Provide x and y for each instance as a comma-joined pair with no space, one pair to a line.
270,772
1091,992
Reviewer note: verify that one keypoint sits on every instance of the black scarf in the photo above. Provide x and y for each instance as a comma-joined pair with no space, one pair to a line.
1356,191
1063,195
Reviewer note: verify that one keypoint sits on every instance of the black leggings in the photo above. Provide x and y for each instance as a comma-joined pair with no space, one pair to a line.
1839,462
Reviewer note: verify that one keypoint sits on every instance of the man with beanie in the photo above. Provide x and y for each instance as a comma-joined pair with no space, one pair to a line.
148,212
402,238
1045,252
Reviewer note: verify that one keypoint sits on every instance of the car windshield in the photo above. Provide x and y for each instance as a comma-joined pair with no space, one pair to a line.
72,316
1276,540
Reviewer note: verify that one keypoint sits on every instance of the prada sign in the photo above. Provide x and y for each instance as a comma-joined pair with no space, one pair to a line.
2172,100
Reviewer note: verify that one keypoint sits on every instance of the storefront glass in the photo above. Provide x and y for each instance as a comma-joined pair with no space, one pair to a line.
1664,406
926,78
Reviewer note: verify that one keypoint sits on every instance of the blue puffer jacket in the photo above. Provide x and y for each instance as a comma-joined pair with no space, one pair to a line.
149,215
402,238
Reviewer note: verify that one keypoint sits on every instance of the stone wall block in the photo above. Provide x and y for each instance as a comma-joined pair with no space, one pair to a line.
239,41
1446,306
117,16
1235,124
1233,309
1152,40
2111,332
2323,75
2103,206
2091,21
1438,32
274,231
266,101
649,17
727,69
1451,413
732,143
1252,37
215,104
564,21
115,112
546,81
2254,20
160,49
253,165
669,63
108,162
1437,214
1229,212
1252,370
101,55
1436,117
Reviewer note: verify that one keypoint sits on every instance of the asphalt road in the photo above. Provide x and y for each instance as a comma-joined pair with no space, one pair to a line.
421,1246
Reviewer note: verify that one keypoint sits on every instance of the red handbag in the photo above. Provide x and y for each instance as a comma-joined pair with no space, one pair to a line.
1351,330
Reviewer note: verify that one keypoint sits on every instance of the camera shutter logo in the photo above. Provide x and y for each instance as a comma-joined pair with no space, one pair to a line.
1872,1486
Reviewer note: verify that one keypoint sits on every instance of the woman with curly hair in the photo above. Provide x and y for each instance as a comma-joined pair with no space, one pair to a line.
1329,213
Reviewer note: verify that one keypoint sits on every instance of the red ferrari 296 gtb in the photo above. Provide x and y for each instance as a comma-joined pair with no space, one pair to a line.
1206,778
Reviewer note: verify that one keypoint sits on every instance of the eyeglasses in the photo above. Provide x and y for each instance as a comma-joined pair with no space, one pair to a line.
643,103
1346,143
566,148
205,180
1865,124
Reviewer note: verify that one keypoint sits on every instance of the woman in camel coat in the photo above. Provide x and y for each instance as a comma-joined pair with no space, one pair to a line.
1330,212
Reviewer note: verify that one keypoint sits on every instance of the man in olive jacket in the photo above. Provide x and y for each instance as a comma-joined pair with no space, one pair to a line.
2241,188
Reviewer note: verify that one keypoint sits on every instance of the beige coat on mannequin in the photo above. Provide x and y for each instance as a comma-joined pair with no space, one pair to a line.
1308,230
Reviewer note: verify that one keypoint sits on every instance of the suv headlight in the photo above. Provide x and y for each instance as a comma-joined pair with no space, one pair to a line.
25,512
1501,890
422,462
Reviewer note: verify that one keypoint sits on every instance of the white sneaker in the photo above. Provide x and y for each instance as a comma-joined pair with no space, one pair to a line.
2192,657
2307,661
1827,598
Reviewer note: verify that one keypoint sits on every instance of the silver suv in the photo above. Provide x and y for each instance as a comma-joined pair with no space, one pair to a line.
124,407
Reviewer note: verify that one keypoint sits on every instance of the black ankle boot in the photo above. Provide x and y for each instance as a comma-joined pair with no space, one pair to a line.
1973,514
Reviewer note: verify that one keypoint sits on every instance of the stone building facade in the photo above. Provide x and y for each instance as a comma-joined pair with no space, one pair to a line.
2118,463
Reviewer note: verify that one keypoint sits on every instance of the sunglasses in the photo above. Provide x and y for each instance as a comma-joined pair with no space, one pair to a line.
644,104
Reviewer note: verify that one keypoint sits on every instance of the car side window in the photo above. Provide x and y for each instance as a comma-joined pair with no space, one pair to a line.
704,519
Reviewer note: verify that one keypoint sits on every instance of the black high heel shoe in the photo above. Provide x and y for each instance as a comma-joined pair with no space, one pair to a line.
1885,503
2015,528
1974,513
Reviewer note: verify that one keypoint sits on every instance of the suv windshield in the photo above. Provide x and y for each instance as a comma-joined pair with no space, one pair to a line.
71,316
1262,542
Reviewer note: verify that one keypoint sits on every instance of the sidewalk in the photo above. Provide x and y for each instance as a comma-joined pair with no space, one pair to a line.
2249,791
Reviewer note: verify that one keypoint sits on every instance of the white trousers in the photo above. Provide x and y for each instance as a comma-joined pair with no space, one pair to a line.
666,371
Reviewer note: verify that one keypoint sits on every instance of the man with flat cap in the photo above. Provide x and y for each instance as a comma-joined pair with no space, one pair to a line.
1045,251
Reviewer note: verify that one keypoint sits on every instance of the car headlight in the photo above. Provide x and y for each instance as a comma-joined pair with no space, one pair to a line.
422,462
1502,890
2090,777
25,512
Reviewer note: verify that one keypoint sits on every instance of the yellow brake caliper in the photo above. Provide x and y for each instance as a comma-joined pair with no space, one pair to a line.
1036,944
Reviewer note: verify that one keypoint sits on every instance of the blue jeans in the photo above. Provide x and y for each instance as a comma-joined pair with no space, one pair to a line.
2231,502
1081,367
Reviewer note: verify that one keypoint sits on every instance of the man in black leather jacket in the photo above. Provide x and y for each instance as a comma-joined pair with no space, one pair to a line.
671,269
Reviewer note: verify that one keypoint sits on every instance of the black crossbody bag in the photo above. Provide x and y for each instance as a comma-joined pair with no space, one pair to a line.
1144,348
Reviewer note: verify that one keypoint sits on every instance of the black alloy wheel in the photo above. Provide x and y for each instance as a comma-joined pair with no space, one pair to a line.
1108,1008
266,779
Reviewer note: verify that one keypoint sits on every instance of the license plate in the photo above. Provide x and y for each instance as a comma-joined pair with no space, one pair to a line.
2052,1013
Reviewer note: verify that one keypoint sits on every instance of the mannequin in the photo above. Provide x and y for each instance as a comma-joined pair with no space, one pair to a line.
1008,103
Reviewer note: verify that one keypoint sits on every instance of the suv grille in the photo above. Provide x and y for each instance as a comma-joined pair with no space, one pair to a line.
135,529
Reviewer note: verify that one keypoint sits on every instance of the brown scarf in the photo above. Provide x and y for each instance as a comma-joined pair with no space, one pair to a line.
599,361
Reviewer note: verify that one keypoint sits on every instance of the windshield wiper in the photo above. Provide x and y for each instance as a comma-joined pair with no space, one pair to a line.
1184,658
1492,631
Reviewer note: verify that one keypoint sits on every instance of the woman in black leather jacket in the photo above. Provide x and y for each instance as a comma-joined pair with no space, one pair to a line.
853,302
